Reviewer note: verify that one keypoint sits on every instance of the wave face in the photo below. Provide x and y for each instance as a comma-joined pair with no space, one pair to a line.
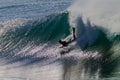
51,28
23,39
95,52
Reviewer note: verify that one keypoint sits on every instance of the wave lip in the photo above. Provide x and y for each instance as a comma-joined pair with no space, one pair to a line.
99,12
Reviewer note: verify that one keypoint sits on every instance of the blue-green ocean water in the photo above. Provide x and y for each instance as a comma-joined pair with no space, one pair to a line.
29,35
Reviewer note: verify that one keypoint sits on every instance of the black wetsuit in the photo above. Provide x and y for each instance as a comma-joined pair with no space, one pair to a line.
64,43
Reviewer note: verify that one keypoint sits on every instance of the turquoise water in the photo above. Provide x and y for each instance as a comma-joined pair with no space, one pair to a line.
29,48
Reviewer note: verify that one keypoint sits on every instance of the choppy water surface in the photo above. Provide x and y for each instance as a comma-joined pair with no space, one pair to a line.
30,31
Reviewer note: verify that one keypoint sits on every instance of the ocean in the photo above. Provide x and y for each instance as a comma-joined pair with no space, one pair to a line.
30,31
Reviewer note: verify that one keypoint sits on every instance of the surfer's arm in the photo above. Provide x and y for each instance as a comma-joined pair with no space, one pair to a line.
74,36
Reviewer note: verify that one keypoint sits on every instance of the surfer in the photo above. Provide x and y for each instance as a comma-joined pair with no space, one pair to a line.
65,43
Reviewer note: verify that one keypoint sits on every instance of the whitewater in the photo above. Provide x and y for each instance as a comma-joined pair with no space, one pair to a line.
30,31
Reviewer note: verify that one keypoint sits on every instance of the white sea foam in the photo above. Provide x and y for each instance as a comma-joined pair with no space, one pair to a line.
104,13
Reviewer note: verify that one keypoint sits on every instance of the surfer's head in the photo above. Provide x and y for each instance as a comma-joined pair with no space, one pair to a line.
64,43
60,41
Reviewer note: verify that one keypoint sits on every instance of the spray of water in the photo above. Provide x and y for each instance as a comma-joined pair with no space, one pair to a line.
100,12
